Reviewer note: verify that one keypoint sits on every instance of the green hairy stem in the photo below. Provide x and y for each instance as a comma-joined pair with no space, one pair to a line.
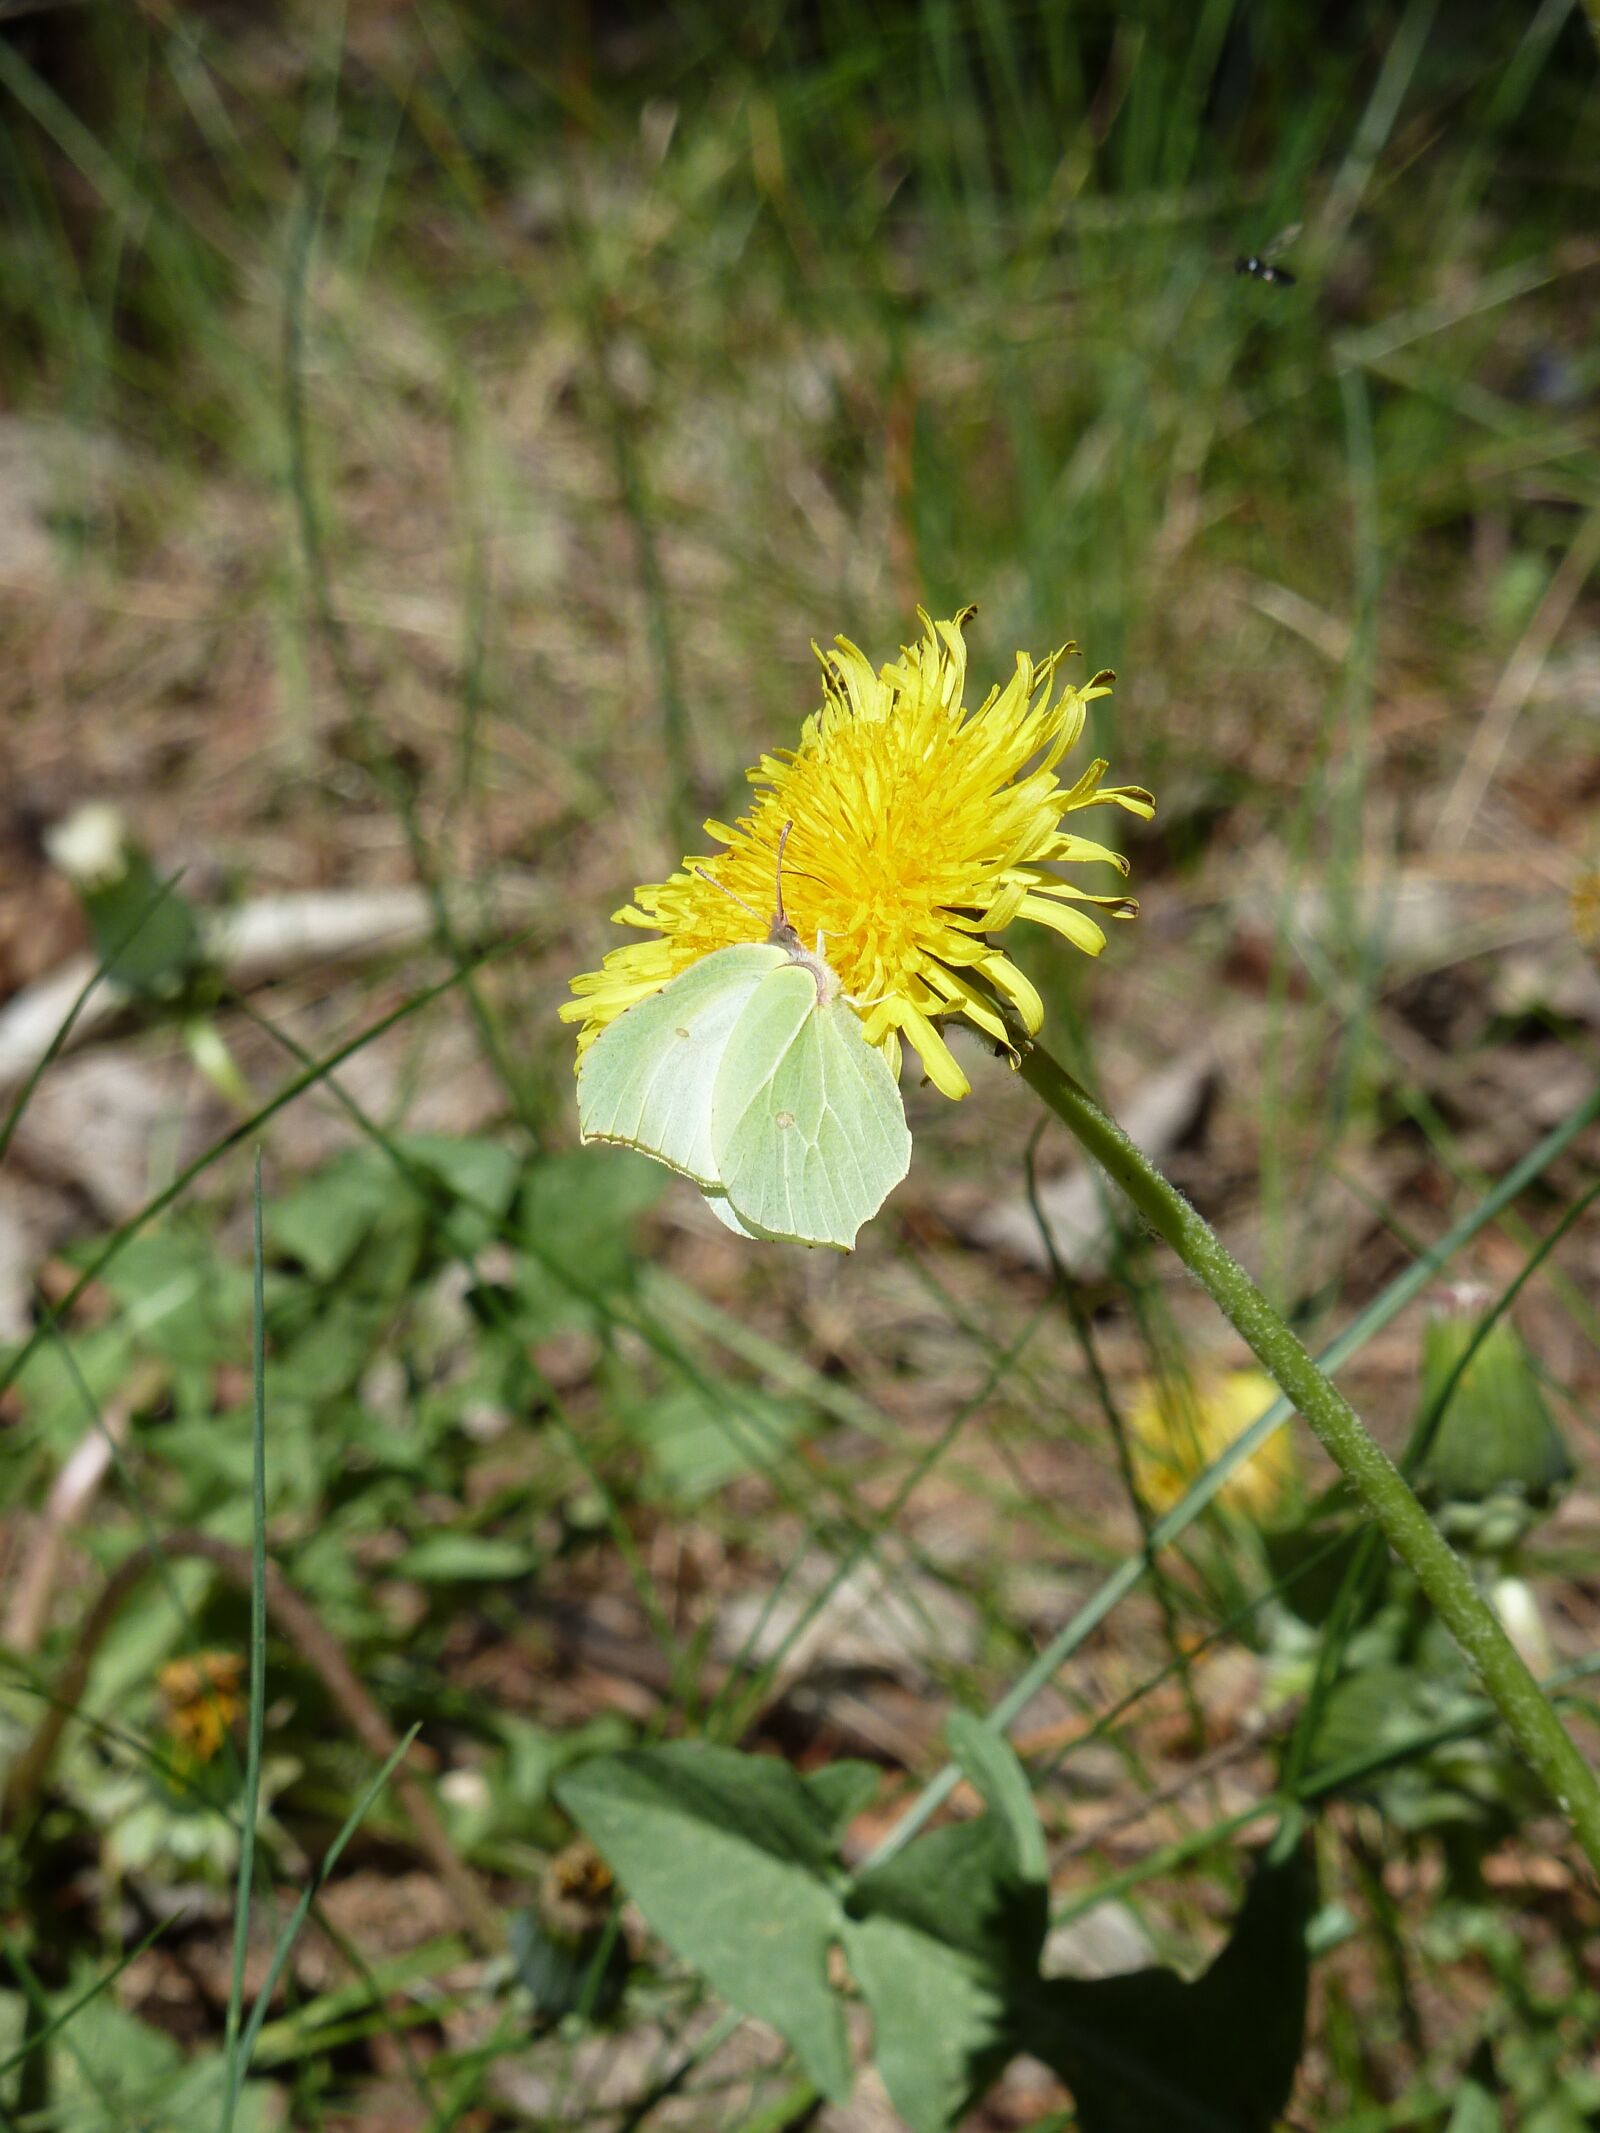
1529,1716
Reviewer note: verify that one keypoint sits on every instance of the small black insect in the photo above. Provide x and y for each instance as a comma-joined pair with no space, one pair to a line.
1264,270
1264,264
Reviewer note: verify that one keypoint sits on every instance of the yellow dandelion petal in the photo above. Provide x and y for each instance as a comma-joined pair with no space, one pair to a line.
918,831
1177,1427
1079,849
1071,925
938,1061
973,1005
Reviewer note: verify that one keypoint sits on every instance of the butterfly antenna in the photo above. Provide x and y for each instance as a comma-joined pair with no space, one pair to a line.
723,886
780,921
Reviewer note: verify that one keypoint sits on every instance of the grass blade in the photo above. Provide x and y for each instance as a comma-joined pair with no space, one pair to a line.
308,1896
235,2058
93,1992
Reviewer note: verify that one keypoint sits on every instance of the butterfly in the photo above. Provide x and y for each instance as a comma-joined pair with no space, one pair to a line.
749,1073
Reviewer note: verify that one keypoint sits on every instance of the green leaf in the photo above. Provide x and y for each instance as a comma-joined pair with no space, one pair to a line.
1476,2110
114,2072
1148,2053
143,931
155,1621
211,1458
945,1937
563,1976
444,1557
978,1887
479,1176
1311,1562
178,1297
579,1213
367,1217
990,1761
698,1441
329,1355
1363,1711
321,1223
65,1381
1493,1434
730,1858
941,2021
843,1790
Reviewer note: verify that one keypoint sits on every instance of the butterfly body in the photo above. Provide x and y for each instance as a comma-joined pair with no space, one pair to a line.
749,1073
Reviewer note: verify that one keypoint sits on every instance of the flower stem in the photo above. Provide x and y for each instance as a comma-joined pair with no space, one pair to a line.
1529,1716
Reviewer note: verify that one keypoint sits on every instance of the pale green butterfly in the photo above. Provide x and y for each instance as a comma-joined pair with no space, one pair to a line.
749,1073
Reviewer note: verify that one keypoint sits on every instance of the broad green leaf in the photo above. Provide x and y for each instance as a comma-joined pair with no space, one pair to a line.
977,1887
941,2019
479,1176
178,1297
145,932
61,1391
990,1761
329,1355
945,1936
699,1440
1148,2053
114,2073
535,1757
210,1456
153,1622
580,1214
843,1790
730,1858
444,1557
1365,1709
1476,2110
321,1222
1311,1561
1494,1434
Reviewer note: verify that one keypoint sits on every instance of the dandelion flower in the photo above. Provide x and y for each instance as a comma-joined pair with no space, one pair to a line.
1177,1427
203,1698
1585,906
920,831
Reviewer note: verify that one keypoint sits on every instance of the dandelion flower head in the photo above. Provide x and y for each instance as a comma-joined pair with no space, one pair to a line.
1177,1427
203,1697
1585,906
918,831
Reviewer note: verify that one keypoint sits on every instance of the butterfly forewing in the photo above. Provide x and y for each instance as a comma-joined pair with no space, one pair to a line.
647,1080
807,1128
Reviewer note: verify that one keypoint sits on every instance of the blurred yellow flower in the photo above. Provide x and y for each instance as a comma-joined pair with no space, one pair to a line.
1176,1427
920,829
202,1698
1585,907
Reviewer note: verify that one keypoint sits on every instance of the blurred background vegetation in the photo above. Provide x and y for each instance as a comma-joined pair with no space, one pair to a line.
431,434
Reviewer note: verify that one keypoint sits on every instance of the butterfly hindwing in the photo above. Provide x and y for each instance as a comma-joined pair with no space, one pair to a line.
807,1128
647,1080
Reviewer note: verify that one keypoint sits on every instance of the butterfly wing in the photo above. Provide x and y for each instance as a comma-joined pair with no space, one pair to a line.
718,1203
647,1079
808,1132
